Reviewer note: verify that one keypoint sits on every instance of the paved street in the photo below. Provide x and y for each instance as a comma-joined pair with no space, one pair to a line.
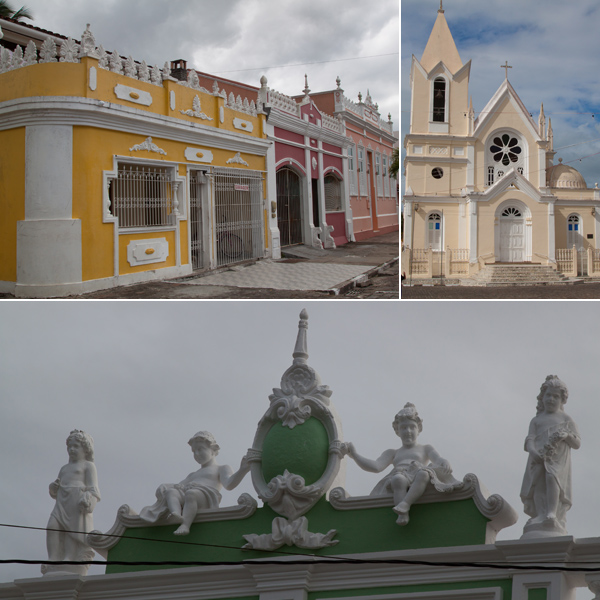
360,270
580,291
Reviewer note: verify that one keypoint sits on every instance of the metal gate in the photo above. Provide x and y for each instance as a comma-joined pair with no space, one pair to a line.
197,180
239,218
289,207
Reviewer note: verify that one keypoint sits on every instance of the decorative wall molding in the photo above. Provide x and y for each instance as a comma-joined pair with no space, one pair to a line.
149,145
134,95
243,125
142,252
198,155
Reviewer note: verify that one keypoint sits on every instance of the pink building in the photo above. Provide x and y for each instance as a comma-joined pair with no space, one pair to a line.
373,194
307,169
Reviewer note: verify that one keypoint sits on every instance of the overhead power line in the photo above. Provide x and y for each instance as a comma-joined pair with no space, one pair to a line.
320,62
307,559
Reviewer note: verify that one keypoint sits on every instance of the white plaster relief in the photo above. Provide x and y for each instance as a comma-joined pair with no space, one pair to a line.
149,145
246,126
221,114
290,533
172,100
128,518
142,252
134,95
93,81
237,159
198,155
69,51
196,111
48,51
88,44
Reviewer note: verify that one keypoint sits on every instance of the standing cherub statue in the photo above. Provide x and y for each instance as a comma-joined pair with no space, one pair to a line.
199,490
76,493
415,465
546,490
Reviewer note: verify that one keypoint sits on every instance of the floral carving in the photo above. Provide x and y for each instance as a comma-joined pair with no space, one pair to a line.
196,110
144,72
48,51
30,57
116,63
17,58
103,58
129,68
237,159
69,51
88,43
156,76
149,145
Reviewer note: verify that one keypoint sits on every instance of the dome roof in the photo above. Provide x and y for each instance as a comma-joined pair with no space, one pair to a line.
563,176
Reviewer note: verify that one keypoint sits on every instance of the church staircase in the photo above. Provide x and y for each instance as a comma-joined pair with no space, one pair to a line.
509,274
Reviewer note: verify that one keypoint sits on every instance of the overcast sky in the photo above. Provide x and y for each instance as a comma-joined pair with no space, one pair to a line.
553,47
142,378
245,39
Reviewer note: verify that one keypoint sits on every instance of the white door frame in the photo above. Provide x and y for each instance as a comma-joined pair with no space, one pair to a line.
527,227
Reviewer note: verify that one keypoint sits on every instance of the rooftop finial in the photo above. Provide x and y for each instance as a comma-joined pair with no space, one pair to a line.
306,88
441,9
301,350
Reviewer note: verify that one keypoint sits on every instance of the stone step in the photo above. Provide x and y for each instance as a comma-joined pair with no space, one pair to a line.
518,274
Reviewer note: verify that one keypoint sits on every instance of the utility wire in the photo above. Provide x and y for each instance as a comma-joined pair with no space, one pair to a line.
308,558
320,62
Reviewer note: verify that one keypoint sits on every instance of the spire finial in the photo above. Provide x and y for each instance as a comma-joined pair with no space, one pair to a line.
441,9
306,88
301,350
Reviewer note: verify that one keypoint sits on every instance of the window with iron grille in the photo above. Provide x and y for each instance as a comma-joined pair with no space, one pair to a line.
143,196
379,174
333,196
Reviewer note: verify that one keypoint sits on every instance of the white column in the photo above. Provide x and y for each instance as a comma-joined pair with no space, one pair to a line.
472,206
408,225
49,239
274,237
471,168
326,237
551,233
346,198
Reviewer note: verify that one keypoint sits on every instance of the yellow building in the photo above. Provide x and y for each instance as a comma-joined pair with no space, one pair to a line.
486,190
112,172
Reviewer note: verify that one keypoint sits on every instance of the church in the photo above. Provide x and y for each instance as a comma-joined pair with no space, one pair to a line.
483,188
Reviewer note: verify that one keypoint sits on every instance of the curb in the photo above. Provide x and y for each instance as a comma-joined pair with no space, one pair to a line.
352,283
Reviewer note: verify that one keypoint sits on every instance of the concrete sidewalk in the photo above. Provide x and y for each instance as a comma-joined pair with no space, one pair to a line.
367,269
310,269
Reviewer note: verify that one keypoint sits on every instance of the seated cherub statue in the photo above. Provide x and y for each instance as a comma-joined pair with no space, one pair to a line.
199,490
414,465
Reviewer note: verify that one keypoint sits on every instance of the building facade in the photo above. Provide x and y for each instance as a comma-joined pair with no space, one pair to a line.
114,172
484,190
373,196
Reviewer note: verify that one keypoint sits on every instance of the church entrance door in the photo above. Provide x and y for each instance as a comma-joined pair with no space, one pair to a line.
512,235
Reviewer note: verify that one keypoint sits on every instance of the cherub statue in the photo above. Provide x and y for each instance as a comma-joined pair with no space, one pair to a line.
76,493
414,465
199,490
546,490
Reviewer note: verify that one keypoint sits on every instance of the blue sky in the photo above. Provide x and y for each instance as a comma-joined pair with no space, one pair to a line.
553,48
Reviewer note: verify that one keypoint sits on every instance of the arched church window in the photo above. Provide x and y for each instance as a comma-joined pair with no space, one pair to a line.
439,100
505,149
511,211
574,237
434,231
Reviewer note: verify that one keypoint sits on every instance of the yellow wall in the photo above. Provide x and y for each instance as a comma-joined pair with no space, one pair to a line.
12,198
125,238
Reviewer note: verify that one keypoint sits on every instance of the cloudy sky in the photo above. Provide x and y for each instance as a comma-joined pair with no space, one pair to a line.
141,378
245,39
553,48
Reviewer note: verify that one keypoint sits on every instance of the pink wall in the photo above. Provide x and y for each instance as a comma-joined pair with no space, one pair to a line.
339,227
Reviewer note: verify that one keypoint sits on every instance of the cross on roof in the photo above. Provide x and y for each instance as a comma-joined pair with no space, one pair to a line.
506,67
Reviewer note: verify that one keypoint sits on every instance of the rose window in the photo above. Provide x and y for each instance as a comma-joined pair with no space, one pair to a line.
505,149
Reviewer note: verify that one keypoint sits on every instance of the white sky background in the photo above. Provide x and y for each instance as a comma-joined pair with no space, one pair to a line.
141,378
220,36
553,47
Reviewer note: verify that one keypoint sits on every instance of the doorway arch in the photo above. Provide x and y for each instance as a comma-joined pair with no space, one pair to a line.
512,235
289,206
